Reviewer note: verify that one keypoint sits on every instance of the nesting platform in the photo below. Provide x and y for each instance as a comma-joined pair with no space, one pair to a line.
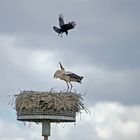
35,106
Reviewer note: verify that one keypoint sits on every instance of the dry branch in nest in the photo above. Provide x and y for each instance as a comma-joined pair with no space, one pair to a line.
48,103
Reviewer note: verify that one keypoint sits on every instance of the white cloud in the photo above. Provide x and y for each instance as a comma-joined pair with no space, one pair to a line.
11,131
23,58
21,67
107,120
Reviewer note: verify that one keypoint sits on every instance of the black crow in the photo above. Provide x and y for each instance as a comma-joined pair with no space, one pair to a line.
64,27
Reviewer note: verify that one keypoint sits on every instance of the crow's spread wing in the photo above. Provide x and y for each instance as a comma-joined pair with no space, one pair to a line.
58,30
61,20
70,25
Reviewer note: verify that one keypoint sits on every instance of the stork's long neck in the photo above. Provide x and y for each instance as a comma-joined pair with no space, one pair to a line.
63,71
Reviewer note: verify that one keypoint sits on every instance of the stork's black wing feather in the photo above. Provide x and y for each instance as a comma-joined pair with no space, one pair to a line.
74,76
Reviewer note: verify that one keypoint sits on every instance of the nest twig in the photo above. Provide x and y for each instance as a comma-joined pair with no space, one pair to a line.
51,102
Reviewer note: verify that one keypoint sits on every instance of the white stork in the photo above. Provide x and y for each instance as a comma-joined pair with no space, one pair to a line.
67,76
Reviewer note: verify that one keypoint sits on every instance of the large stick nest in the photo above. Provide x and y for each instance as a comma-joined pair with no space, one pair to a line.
51,103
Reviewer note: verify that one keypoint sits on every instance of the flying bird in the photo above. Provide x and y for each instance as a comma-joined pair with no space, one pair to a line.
67,76
64,27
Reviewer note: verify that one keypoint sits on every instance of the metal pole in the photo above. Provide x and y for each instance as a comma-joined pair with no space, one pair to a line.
45,137
45,129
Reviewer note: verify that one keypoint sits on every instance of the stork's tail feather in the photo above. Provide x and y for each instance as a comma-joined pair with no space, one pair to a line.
80,79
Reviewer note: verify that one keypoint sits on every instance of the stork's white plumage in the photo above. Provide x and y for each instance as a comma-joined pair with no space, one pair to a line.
67,76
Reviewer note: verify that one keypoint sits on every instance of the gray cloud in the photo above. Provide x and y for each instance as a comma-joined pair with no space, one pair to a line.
107,32
34,68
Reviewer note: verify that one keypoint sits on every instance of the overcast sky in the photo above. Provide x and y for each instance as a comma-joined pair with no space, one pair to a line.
103,47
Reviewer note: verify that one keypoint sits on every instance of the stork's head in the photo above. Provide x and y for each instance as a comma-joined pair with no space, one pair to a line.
57,74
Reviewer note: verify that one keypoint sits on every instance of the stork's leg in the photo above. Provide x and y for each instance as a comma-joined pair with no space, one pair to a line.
61,34
67,86
71,86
